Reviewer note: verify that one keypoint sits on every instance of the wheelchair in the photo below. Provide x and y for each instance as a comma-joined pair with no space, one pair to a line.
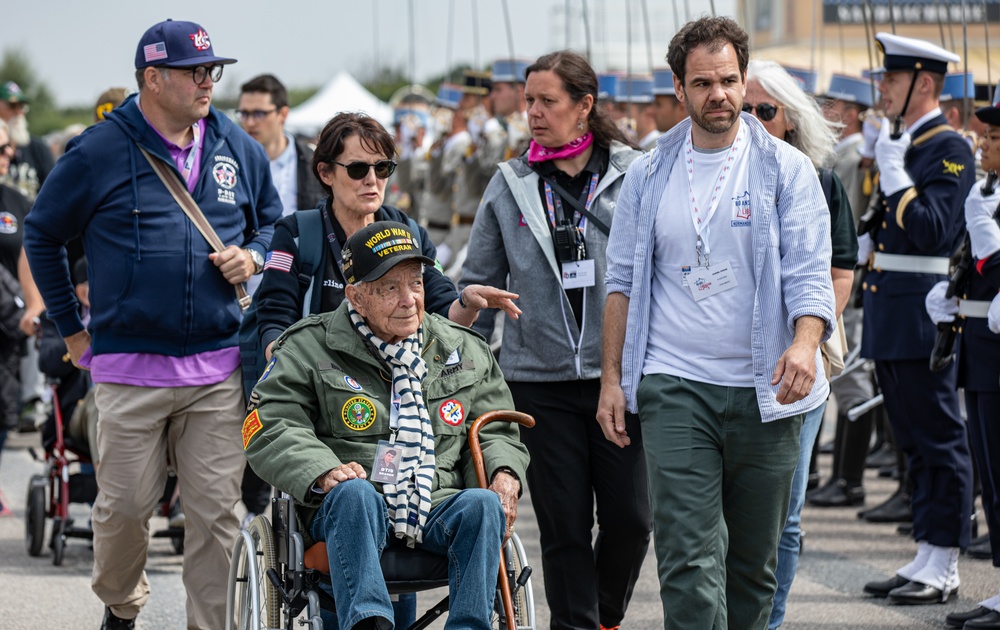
273,579
49,495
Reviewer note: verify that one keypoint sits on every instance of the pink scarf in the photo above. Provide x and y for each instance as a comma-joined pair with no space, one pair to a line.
568,151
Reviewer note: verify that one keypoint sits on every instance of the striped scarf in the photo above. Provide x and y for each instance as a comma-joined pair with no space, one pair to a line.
410,498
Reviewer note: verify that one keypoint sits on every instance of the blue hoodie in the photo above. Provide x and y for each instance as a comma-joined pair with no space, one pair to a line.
153,288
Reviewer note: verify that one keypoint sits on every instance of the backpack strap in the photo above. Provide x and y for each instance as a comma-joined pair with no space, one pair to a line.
310,222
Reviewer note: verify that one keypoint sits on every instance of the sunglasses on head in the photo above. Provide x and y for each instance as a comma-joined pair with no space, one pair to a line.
765,111
359,170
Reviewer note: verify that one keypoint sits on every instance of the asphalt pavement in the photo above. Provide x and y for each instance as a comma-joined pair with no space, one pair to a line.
840,554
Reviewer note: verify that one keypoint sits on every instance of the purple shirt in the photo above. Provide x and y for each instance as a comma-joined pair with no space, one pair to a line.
158,370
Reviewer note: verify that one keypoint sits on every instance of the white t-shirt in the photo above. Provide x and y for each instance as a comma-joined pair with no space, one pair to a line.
708,340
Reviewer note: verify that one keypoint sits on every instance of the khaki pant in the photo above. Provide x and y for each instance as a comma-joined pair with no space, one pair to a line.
199,428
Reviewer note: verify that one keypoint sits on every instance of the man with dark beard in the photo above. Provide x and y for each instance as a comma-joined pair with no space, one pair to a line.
32,159
719,268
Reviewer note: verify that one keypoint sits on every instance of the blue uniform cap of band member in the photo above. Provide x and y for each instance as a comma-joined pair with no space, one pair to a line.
509,70
850,89
635,89
663,82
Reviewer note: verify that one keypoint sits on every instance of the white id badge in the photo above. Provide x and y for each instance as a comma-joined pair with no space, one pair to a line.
385,468
578,275
707,281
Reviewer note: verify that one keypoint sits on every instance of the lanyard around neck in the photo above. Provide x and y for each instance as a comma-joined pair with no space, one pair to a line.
554,204
189,160
701,216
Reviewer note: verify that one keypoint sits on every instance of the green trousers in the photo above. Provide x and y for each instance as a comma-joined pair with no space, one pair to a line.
719,483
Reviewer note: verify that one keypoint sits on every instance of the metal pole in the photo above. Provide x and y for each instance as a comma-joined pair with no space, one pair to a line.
628,50
986,33
566,20
375,29
586,28
475,33
965,58
649,37
413,47
869,37
451,37
892,17
510,33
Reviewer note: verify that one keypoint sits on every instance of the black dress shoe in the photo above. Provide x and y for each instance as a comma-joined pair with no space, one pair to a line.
990,621
881,457
813,481
826,448
905,529
837,495
913,593
958,619
882,588
895,510
980,548
889,471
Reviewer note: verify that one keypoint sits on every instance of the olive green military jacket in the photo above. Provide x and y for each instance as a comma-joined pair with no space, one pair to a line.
324,401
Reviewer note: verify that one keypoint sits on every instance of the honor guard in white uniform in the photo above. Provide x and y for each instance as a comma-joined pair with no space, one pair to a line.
507,135
405,187
472,120
636,93
437,207
844,103
807,79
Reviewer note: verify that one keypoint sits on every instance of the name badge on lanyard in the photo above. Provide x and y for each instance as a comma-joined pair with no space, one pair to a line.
580,273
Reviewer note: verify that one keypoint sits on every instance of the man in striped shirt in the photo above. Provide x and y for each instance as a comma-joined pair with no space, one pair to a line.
719,266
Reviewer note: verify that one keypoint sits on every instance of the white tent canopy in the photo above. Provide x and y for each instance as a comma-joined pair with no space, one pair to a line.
341,94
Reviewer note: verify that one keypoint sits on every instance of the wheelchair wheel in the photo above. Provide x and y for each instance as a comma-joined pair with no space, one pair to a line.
524,601
58,541
34,518
252,600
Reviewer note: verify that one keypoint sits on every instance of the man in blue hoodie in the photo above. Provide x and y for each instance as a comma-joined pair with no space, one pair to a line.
162,339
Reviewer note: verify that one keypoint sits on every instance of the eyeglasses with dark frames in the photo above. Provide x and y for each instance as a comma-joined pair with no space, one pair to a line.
200,73
256,115
765,111
359,170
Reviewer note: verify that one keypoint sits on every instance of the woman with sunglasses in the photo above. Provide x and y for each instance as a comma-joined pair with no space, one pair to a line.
787,112
352,161
541,229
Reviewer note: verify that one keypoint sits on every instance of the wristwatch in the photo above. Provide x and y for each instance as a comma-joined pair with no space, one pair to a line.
258,260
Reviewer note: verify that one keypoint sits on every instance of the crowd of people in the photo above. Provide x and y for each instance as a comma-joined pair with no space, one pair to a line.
672,274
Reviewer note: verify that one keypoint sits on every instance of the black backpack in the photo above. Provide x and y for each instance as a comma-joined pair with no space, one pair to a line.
11,310
252,359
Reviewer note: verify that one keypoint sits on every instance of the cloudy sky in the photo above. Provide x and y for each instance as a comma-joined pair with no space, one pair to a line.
81,48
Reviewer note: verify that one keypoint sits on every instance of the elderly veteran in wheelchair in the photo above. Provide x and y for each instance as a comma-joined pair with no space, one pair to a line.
345,387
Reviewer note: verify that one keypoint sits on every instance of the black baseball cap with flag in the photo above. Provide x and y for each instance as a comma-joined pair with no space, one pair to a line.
177,45
378,247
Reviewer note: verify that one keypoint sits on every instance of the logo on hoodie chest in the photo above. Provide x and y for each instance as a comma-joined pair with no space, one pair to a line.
225,174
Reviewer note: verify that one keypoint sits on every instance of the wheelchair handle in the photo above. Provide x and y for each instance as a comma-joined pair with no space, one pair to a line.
524,420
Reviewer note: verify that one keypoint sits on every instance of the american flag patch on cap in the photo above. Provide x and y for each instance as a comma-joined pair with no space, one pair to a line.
155,52
282,261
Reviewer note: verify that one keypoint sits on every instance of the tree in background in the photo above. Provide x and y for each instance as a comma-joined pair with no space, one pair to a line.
43,114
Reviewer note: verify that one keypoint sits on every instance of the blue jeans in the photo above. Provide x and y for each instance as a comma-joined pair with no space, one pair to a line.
788,545
468,528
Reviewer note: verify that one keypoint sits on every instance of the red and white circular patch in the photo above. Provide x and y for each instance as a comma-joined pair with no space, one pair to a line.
452,412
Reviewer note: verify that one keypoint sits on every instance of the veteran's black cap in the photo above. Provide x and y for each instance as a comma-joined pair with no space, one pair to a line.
378,247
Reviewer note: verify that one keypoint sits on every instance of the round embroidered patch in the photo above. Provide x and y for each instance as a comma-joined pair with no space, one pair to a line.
358,413
452,412
353,384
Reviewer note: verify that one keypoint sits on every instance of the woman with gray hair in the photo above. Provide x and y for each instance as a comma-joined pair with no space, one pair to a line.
792,115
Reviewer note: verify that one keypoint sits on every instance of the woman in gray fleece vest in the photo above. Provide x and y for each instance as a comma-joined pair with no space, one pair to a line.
531,235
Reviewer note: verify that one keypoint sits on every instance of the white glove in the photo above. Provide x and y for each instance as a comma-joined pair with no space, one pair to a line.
889,155
939,308
994,315
869,133
984,233
865,248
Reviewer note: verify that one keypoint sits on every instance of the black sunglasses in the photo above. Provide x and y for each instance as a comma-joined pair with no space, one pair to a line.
359,170
4,147
765,111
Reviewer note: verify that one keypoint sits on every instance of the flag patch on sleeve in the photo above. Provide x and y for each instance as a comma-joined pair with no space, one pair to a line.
282,261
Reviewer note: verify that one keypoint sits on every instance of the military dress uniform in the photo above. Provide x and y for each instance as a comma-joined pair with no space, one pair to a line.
436,206
922,227
979,365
